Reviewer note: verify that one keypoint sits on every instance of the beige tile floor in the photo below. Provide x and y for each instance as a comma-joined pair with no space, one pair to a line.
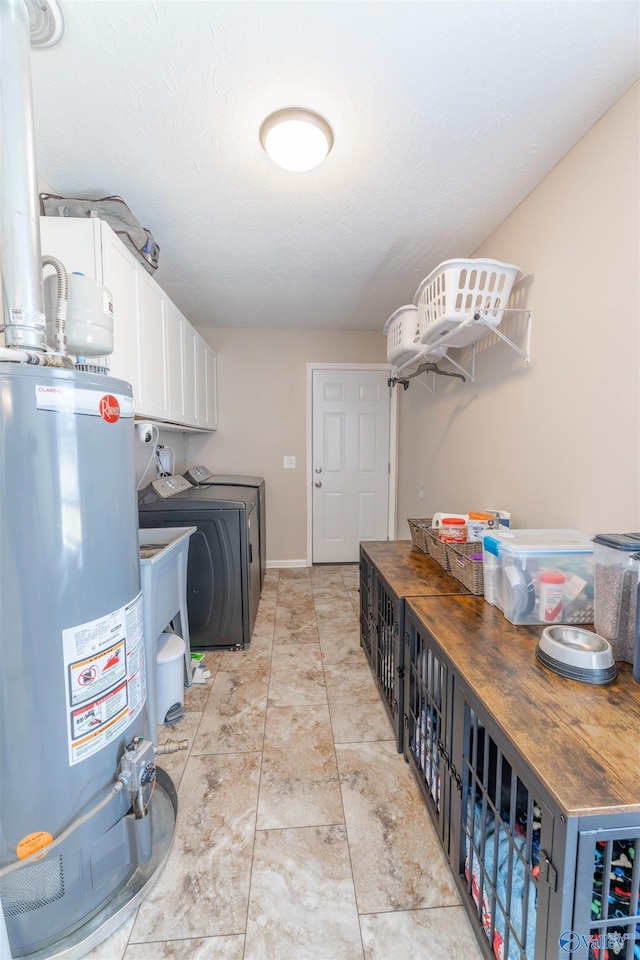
300,833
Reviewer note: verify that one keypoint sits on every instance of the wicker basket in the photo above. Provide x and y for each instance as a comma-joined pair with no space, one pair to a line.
418,529
469,572
437,549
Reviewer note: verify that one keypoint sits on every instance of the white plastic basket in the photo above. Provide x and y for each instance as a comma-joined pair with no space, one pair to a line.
456,290
401,329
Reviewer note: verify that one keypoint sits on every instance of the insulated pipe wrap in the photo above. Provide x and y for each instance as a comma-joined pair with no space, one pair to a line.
19,213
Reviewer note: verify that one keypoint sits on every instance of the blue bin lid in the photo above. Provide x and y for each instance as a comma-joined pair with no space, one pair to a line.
619,541
538,542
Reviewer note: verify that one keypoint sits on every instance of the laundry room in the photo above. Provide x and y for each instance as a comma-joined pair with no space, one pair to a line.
328,634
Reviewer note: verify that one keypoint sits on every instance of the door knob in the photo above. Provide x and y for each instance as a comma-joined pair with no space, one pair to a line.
318,483
318,469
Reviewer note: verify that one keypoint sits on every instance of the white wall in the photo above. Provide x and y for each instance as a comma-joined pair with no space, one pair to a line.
557,441
262,416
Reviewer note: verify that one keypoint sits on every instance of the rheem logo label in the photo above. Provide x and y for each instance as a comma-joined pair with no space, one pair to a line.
109,408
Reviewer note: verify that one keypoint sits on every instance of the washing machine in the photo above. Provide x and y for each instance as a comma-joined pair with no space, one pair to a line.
203,477
223,564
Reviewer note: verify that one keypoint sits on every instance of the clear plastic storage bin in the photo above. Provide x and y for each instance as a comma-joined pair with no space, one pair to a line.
616,590
519,564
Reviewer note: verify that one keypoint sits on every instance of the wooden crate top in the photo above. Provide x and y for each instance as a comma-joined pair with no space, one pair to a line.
408,571
582,741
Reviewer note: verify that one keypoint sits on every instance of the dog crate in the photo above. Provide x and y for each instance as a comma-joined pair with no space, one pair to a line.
542,878
397,572
541,885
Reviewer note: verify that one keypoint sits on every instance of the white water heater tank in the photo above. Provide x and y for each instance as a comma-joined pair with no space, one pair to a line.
89,323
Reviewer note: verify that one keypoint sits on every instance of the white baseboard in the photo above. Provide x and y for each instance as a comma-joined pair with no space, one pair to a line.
286,563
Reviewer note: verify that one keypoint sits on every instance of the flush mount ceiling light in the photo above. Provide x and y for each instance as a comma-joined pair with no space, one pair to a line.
296,138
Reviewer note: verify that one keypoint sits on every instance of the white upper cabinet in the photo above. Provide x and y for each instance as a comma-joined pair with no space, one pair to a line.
170,367
91,247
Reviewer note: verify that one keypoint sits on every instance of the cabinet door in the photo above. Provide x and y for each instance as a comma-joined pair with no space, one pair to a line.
206,385
211,389
154,393
175,362
605,907
501,826
190,343
121,274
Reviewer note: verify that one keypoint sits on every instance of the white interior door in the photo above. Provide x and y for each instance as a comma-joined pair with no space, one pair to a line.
350,461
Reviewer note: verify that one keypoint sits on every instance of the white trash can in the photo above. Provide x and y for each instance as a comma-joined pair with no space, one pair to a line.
170,674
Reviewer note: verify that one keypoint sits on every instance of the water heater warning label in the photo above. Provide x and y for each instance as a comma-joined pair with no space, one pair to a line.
104,678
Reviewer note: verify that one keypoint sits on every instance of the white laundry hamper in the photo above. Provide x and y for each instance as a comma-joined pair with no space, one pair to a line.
458,289
401,331
403,337
170,678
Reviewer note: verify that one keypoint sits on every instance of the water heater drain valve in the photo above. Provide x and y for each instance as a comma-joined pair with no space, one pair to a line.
138,769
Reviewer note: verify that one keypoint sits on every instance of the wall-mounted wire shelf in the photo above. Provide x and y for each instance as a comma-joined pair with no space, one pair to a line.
423,363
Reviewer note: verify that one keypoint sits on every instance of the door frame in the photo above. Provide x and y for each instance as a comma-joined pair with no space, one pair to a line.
393,446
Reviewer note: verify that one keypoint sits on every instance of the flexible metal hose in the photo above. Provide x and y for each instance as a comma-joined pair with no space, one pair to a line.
61,301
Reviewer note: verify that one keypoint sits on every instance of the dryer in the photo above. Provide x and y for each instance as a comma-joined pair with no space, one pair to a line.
223,568
203,477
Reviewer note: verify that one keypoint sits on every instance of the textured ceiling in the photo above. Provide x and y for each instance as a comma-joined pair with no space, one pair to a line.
445,114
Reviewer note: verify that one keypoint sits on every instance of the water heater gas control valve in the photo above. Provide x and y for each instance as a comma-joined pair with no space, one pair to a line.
137,765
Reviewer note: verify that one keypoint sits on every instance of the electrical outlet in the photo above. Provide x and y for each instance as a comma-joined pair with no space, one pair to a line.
164,459
289,462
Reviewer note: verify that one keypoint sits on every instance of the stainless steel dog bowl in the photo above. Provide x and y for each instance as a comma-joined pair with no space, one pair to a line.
577,654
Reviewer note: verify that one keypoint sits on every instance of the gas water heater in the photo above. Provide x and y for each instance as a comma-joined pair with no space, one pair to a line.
77,767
